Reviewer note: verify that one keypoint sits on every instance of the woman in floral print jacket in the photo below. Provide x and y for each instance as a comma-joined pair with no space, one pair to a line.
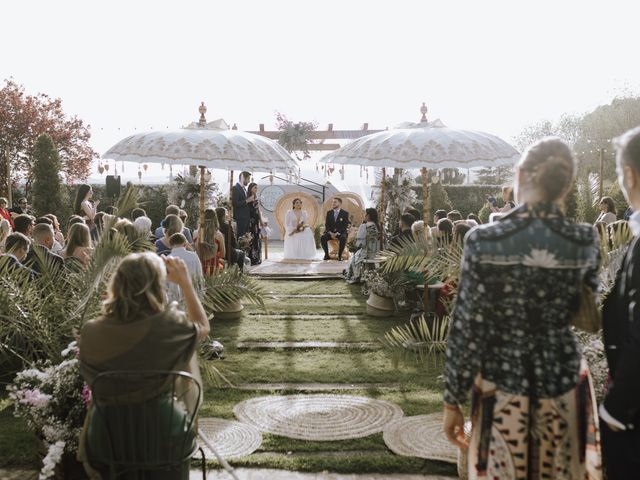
533,410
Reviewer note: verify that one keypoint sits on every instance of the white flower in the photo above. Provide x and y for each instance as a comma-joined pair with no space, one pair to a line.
54,455
540,258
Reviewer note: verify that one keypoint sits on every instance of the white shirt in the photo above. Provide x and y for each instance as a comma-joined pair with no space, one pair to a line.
634,223
193,266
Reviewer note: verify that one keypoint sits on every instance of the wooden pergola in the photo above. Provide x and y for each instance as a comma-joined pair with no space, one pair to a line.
322,135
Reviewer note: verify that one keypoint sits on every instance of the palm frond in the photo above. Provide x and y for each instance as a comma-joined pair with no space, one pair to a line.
228,286
128,201
418,340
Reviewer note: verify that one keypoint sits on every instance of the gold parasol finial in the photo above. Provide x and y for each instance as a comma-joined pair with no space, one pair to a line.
423,111
202,109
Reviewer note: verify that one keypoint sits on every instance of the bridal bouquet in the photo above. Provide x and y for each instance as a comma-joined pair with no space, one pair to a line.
53,400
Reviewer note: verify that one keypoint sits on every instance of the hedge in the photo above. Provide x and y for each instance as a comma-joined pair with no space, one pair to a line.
467,198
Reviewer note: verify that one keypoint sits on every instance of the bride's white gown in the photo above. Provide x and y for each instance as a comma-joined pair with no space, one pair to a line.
301,245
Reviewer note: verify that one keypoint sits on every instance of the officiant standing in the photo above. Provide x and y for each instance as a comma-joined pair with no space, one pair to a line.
241,200
335,228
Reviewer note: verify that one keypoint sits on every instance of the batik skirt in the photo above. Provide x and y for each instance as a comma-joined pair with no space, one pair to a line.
518,437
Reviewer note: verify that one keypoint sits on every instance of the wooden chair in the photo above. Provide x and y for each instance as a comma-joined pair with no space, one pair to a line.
285,203
353,204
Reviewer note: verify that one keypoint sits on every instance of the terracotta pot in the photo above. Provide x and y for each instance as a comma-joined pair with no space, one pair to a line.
378,306
231,312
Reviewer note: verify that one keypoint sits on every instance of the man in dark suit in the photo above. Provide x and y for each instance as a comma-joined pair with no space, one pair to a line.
17,246
40,254
406,220
620,411
335,228
240,202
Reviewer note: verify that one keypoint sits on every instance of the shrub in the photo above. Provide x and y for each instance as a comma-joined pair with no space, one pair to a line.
47,192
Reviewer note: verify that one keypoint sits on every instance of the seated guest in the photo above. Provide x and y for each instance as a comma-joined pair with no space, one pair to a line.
138,330
413,212
77,252
57,232
46,220
126,228
40,255
143,226
183,216
210,247
5,231
406,220
16,248
454,216
137,213
444,233
367,242
475,218
111,210
419,230
179,249
173,210
4,212
237,255
73,219
23,224
437,216
21,209
171,224
460,229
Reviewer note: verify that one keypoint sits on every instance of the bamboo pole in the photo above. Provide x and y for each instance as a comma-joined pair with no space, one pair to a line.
230,216
425,197
382,208
202,190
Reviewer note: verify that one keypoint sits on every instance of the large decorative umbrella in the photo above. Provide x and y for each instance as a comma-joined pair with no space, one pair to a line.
425,145
205,145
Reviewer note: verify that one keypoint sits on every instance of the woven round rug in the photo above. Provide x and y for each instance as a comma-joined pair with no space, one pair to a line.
229,438
317,417
420,436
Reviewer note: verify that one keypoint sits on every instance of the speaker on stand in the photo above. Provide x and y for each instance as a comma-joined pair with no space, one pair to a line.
113,187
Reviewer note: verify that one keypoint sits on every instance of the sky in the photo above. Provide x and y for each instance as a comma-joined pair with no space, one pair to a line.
496,66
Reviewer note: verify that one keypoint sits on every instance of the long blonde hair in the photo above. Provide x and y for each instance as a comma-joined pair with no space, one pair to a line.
207,244
79,236
137,288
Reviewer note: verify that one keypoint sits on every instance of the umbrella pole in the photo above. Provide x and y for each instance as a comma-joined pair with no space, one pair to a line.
382,209
201,208
425,197
230,216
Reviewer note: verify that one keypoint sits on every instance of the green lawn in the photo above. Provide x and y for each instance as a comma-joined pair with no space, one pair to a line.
299,318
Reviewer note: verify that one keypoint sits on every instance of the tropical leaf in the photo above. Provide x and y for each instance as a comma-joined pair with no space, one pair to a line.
418,340
228,286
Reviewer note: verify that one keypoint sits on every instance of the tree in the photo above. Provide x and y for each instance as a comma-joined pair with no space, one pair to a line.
495,175
294,137
438,199
47,194
23,118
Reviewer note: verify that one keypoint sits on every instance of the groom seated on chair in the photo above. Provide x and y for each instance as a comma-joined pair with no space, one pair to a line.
335,228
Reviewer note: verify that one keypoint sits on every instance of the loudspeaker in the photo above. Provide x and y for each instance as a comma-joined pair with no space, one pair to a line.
113,186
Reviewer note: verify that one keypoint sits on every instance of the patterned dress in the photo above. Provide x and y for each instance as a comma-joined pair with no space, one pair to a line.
533,407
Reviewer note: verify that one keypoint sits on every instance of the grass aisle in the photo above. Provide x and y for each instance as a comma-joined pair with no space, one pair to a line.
296,312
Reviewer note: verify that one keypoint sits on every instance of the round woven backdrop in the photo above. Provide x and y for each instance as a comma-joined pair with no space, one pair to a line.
318,417
229,438
420,436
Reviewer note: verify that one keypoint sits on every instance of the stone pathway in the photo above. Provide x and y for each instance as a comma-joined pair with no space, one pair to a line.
314,344
268,474
315,387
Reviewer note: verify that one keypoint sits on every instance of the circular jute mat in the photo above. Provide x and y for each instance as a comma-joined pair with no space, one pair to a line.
420,436
229,438
317,417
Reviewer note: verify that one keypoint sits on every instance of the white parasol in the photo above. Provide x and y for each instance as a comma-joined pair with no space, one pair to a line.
425,145
205,145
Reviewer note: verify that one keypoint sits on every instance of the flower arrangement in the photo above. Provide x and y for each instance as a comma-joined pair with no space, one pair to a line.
374,281
184,191
53,400
244,241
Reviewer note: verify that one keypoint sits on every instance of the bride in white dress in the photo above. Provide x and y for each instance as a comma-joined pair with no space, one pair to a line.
299,243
